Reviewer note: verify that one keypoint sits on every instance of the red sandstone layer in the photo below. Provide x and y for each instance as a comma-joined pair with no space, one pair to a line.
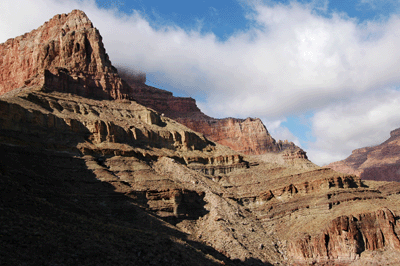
381,162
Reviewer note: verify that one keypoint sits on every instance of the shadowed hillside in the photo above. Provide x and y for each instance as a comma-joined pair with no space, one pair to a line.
91,177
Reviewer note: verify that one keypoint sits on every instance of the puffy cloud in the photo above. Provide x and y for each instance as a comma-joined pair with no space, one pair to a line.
293,58
280,132
353,124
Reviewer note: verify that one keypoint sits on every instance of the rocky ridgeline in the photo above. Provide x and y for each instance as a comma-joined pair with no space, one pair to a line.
83,163
380,163
108,128
67,54
247,136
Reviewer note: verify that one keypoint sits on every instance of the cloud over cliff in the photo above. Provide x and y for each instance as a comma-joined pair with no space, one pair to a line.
293,58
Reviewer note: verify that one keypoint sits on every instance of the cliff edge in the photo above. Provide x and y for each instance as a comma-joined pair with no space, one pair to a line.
380,163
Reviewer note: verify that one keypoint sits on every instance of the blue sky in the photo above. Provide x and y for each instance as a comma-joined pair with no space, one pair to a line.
225,17
222,18
324,74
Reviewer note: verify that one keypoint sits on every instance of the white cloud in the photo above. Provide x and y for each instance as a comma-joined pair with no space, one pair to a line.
360,122
291,61
280,132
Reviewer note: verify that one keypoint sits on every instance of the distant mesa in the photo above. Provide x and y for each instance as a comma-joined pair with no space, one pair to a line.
99,168
380,163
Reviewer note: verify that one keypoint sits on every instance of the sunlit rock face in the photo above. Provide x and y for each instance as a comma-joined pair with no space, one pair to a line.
64,54
247,136
380,163
94,171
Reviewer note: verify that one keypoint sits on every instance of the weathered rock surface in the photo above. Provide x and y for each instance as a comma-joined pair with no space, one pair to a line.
380,163
346,237
65,54
320,216
247,136
101,181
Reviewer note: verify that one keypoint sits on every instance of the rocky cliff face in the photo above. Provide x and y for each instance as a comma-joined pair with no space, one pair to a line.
88,181
247,136
69,56
381,162
346,237
65,54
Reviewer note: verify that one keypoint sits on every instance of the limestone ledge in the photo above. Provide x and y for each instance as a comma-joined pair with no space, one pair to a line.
107,128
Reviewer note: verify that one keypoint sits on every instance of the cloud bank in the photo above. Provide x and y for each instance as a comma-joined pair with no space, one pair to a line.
294,58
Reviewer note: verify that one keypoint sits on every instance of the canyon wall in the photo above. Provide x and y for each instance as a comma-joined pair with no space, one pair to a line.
380,163
65,54
247,136
87,169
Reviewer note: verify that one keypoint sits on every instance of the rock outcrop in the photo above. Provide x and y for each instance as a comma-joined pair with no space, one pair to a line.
321,217
247,136
380,163
346,237
90,177
65,54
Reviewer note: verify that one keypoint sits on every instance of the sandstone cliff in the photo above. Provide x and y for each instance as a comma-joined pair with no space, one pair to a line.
105,180
247,136
65,54
381,162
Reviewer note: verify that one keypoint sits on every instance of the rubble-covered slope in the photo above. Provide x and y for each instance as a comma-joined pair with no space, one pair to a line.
101,161
108,163
91,177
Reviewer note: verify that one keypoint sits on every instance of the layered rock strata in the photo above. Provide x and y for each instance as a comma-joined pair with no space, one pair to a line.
153,162
321,217
108,128
67,54
381,162
82,178
247,136
64,54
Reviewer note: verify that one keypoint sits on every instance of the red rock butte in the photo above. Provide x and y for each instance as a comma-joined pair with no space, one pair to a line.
93,173
380,162
67,54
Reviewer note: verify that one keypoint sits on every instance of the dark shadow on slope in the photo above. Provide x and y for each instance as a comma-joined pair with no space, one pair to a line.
55,212
384,172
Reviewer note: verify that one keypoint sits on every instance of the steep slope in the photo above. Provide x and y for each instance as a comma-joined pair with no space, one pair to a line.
380,163
114,162
55,211
72,164
247,136
66,54
103,180
321,217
